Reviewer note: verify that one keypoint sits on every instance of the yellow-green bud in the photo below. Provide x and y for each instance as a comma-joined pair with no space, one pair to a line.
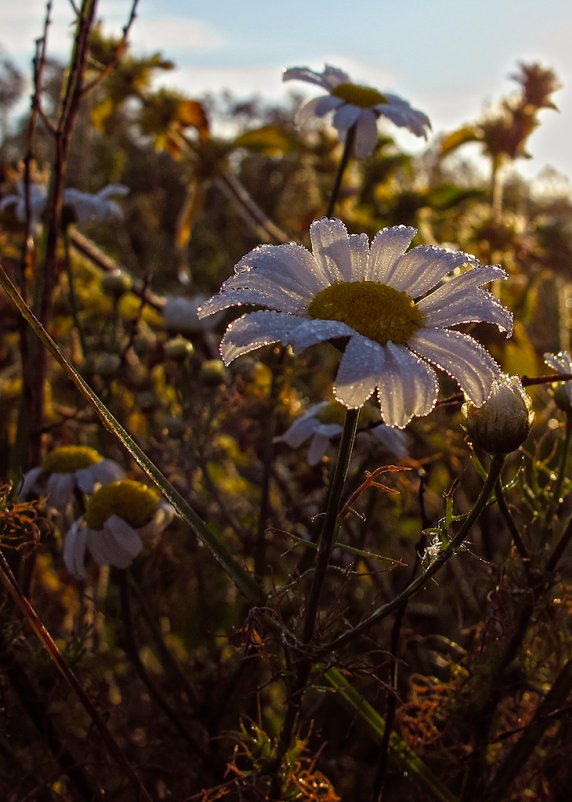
213,372
179,349
116,283
503,422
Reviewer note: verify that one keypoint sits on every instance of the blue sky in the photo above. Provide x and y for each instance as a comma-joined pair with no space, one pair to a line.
447,57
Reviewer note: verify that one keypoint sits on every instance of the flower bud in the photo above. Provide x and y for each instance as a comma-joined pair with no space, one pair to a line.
116,283
213,372
503,422
179,349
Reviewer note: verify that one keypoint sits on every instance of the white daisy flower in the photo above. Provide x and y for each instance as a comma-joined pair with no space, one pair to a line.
561,363
65,469
393,308
99,207
355,105
119,518
322,423
38,196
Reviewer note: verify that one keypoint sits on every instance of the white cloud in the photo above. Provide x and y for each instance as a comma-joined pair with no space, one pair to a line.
171,33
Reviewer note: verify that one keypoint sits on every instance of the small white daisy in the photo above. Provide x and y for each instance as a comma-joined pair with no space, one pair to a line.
392,308
66,468
355,105
119,518
322,423
561,363
100,207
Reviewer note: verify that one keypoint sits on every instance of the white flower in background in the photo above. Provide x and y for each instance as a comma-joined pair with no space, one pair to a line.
354,104
392,308
561,363
65,469
100,207
38,196
322,423
180,314
119,518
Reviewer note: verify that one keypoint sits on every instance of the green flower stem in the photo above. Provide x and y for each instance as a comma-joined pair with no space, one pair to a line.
350,137
445,555
325,544
242,579
328,533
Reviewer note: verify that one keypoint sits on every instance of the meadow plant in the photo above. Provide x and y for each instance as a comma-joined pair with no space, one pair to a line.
314,550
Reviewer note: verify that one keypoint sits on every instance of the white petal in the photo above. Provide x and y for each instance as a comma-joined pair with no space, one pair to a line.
331,249
407,387
461,357
327,79
460,301
126,536
318,447
301,429
326,104
254,330
307,111
311,332
422,268
74,550
366,135
279,299
561,362
391,439
386,248
291,264
359,253
359,371
346,116
28,483
60,489
107,471
402,114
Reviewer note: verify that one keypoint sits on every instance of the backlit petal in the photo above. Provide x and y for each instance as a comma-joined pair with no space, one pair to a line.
406,386
359,370
386,248
331,249
461,357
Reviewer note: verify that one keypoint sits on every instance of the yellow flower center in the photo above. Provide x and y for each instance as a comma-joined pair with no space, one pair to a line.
67,459
130,500
363,96
377,311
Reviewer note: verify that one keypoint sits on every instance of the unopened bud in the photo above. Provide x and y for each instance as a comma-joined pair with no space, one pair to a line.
116,283
179,349
503,422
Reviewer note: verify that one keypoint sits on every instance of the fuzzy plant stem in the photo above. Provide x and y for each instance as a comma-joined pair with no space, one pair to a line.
350,137
325,544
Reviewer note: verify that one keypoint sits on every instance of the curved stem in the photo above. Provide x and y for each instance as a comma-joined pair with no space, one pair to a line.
350,137
327,535
325,544
448,551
